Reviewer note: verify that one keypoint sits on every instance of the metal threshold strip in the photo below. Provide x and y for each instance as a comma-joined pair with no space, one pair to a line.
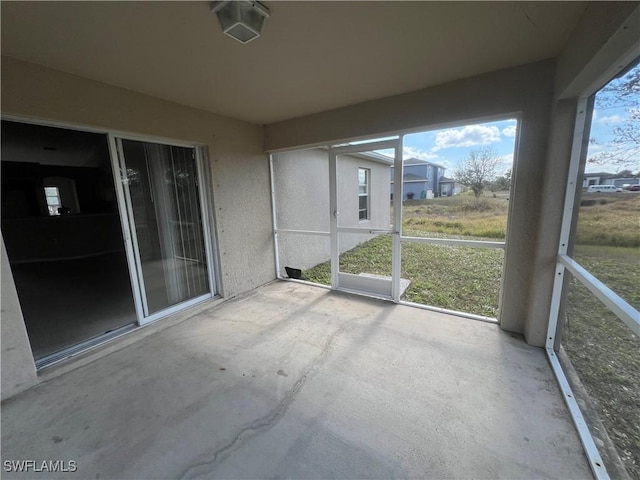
99,340
82,347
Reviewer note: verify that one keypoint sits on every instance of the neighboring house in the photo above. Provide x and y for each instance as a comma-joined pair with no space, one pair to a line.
603,178
301,181
420,179
449,187
623,181
598,178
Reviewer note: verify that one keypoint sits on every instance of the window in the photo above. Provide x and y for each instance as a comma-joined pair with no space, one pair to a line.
53,200
363,193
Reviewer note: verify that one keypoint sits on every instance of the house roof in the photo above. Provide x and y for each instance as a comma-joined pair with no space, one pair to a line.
375,157
600,174
415,161
177,51
419,161
609,175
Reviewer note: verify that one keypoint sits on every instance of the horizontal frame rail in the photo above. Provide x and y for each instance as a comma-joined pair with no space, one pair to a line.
303,232
365,230
625,312
366,147
454,242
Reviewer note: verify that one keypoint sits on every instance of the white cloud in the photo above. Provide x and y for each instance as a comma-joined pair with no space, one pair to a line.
509,131
506,159
467,137
412,152
446,164
595,148
506,162
610,119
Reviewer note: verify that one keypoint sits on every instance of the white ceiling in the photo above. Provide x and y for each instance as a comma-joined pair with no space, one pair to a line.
312,56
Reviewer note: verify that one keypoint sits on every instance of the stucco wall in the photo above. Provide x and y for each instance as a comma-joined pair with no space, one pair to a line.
301,181
554,188
525,92
604,42
239,168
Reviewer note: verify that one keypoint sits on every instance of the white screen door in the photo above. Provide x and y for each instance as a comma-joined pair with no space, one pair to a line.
364,218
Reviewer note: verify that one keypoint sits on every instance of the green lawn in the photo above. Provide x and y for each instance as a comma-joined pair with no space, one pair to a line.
603,351
434,270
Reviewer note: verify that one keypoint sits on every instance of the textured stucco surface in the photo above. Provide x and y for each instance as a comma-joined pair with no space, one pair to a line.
301,187
239,170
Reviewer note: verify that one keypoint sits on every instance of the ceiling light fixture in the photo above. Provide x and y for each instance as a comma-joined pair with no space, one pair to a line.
241,19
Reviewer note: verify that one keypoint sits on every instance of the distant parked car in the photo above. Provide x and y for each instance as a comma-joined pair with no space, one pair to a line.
603,188
634,188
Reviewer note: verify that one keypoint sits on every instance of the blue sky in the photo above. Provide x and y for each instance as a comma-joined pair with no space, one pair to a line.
611,112
450,146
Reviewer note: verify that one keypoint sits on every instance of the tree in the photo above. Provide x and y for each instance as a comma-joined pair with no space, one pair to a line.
501,183
622,92
625,173
478,169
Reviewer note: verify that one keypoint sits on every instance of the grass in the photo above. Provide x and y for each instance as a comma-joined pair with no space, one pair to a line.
609,219
603,350
460,215
457,278
434,270
605,219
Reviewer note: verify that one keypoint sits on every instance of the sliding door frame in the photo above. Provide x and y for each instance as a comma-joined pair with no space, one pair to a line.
118,162
130,239
206,199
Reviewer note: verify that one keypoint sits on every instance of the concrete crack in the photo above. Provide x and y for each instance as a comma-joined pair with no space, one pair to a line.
272,418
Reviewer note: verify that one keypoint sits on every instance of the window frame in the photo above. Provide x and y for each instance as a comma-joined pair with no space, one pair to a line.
58,205
367,194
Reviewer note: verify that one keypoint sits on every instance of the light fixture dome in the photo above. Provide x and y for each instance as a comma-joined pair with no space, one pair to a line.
241,19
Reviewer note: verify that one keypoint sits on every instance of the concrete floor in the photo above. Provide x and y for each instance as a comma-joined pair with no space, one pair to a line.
70,301
299,382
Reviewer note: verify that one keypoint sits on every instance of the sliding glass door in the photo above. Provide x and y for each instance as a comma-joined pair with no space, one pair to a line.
164,210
